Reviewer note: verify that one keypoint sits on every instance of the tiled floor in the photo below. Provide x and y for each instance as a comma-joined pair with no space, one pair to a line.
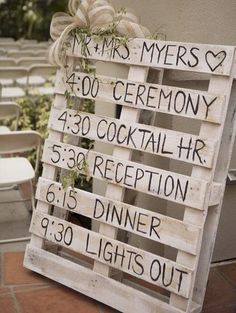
22,291
14,218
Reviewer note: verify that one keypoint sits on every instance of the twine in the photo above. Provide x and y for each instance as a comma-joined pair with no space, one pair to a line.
92,14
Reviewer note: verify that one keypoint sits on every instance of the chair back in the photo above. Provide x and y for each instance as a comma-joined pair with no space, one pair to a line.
10,45
6,39
44,44
19,141
44,70
24,41
29,61
33,46
41,53
13,72
3,52
26,53
9,110
4,61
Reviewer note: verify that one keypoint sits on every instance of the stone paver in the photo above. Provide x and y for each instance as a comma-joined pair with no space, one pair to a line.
229,272
7,304
224,309
219,291
55,300
4,290
16,274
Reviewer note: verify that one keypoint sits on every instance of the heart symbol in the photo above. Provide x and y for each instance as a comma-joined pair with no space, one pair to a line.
214,60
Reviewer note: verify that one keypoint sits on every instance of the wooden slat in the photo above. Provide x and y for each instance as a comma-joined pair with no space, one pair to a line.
145,223
213,217
183,102
224,85
129,115
49,171
157,182
97,286
172,144
136,262
192,57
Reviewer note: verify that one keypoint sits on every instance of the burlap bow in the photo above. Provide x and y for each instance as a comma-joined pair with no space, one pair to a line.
92,14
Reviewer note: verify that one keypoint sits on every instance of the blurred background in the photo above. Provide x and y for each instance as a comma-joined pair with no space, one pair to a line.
28,19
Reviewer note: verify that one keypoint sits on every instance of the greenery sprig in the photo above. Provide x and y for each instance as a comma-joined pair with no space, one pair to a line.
80,173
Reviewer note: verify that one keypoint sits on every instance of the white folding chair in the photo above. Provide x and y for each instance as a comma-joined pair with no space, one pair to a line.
6,39
32,79
3,52
29,61
10,45
20,53
37,46
41,52
24,41
26,53
8,111
15,169
11,72
44,44
5,61
47,71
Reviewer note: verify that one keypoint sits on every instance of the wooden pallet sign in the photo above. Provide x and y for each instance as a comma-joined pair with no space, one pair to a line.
149,282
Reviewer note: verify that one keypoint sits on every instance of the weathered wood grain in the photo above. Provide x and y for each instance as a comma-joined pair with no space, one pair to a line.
145,223
183,102
192,57
136,262
106,290
167,143
157,182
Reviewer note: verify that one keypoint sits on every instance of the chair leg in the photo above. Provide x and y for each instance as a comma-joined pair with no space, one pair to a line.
27,192
32,196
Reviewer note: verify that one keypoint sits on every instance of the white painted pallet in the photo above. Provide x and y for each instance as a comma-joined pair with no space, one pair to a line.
201,193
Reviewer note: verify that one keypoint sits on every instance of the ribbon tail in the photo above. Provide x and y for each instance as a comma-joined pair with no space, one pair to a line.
57,52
